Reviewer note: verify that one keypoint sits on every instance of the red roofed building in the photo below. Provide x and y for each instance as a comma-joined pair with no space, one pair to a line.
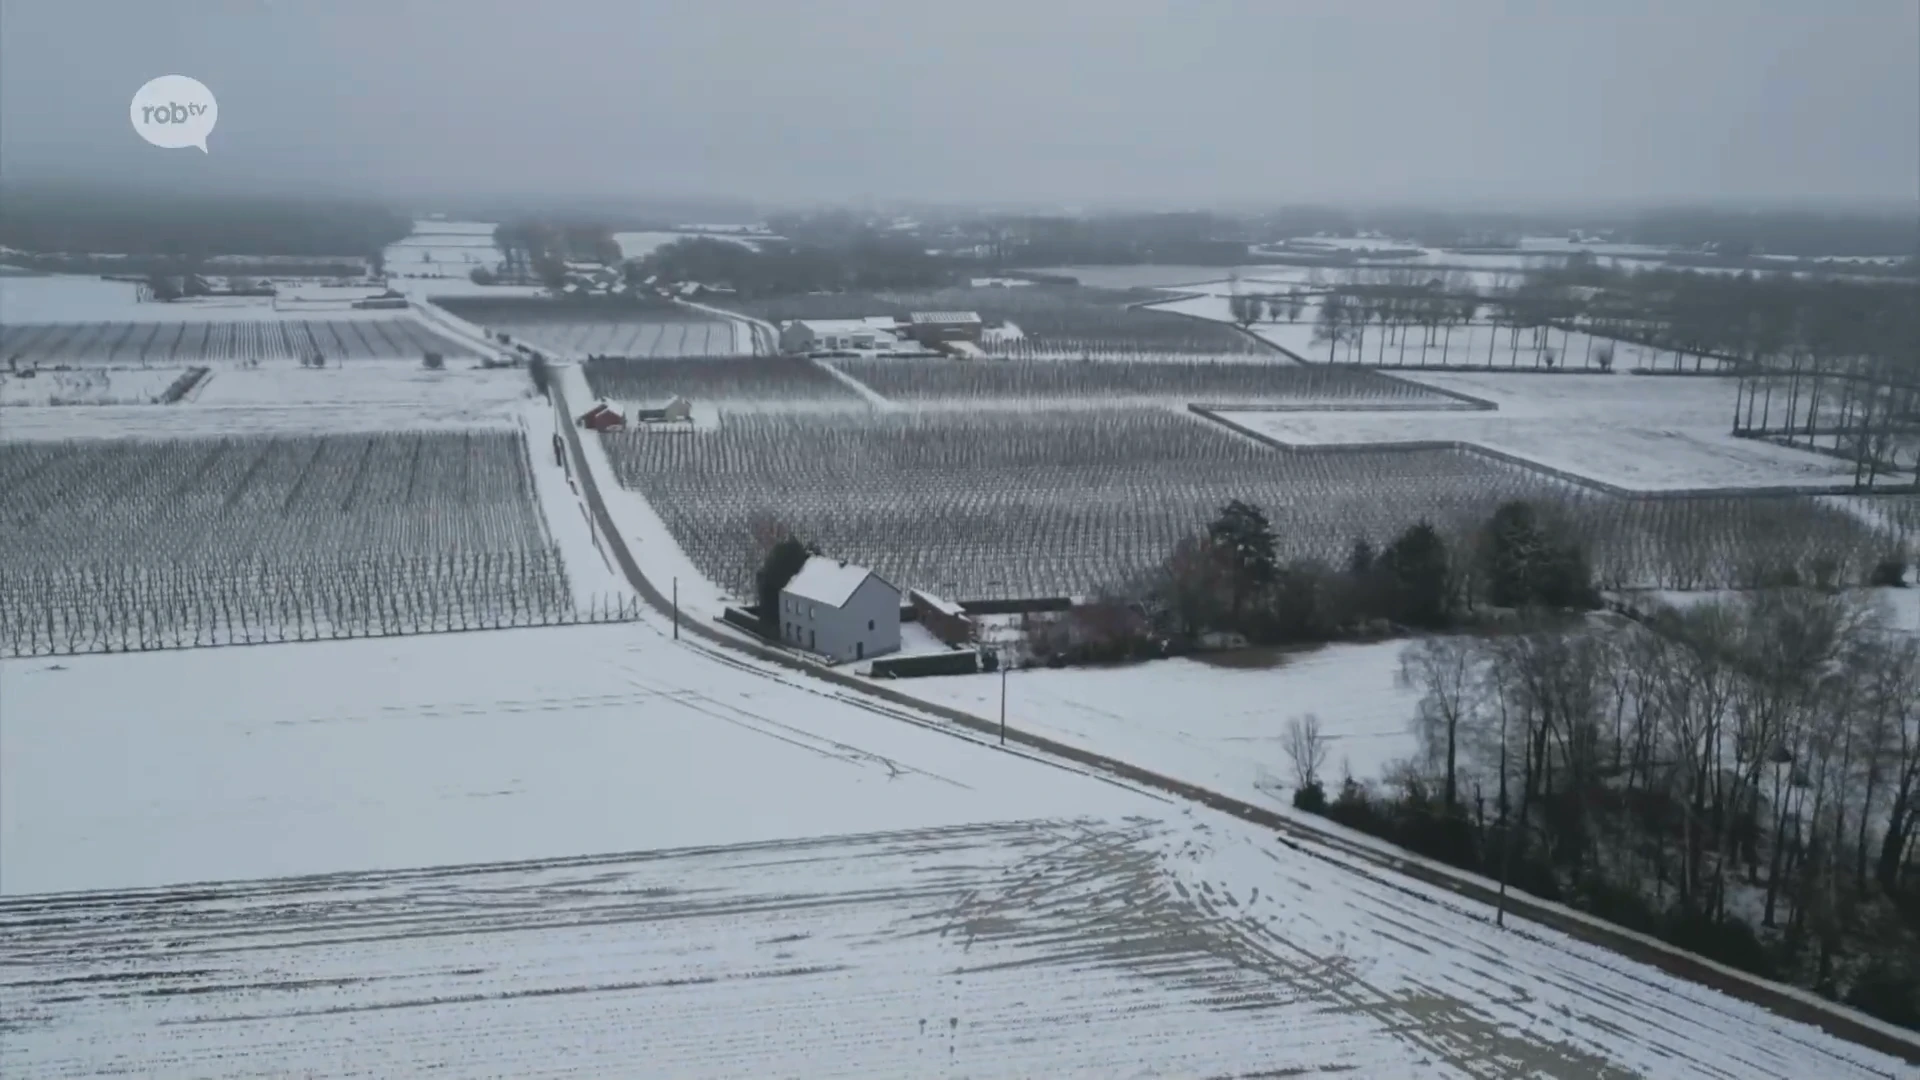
602,418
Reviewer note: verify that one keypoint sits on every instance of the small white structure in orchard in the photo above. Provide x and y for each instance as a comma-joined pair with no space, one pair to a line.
677,410
841,611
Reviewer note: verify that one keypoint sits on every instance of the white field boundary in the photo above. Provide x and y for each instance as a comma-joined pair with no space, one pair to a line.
871,395
1466,893
763,337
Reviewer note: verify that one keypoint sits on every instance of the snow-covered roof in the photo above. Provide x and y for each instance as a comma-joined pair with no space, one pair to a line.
828,581
923,317
945,607
846,326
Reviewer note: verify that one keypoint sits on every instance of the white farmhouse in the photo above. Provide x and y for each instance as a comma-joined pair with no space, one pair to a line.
841,611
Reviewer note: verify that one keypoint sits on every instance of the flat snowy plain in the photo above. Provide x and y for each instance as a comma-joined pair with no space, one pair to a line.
95,386
590,852
1216,726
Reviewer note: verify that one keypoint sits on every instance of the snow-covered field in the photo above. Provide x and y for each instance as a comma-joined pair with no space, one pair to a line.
290,400
1475,343
218,764
187,421
1639,432
93,386
75,298
461,388
582,850
397,335
443,249
655,339
1221,727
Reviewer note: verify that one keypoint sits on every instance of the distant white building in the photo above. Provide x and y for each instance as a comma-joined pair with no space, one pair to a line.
841,611
873,334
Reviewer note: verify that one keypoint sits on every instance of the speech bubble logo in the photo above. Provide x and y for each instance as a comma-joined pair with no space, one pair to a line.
174,111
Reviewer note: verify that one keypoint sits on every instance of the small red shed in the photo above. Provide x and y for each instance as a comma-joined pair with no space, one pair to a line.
602,418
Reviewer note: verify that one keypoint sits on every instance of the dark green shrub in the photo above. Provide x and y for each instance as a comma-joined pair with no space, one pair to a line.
1311,797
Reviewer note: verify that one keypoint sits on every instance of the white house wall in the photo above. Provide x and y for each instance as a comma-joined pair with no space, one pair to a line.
836,632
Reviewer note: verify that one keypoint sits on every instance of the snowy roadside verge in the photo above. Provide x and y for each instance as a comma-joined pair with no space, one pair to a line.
591,573
637,530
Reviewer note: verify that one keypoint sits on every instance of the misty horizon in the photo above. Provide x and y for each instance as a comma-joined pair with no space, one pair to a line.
1208,106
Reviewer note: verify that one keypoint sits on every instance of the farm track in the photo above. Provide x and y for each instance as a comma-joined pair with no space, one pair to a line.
1336,848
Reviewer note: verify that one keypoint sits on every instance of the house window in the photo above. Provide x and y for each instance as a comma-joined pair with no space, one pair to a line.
869,624
809,611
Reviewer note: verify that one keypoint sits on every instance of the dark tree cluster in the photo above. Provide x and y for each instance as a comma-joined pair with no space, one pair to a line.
537,251
1228,579
1741,778
1806,234
1182,238
191,227
783,561
776,268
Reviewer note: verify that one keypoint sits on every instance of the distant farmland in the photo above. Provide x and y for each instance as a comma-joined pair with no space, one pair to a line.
1039,503
1055,320
123,544
617,328
176,344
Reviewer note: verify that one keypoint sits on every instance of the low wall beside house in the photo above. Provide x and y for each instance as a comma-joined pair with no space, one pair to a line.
960,662
1024,606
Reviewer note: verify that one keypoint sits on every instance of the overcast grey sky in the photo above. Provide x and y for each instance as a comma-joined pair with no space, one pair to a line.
1189,102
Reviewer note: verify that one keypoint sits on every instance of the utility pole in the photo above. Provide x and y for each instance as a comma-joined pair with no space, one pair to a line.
1506,822
1003,697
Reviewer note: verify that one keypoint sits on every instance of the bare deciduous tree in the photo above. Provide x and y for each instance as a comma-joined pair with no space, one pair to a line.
1448,673
1306,748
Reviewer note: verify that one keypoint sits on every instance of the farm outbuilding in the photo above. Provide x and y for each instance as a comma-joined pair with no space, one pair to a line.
947,620
934,327
602,417
804,336
841,611
677,410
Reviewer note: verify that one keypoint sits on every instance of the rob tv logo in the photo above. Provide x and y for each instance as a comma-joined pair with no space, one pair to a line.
174,111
